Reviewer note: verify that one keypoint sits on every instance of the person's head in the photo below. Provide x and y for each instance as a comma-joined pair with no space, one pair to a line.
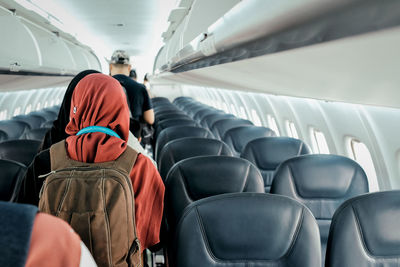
98,100
120,63
133,74
57,132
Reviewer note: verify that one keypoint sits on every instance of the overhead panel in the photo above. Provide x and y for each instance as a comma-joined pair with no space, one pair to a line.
19,50
55,57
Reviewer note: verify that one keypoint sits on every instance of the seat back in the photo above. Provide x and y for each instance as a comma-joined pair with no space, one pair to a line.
3,136
173,122
22,151
36,134
204,112
14,129
210,119
237,138
247,229
220,127
196,178
177,132
322,183
170,115
11,175
365,232
268,152
189,147
34,121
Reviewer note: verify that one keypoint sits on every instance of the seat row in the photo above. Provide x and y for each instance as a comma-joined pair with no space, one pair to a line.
23,138
32,126
320,182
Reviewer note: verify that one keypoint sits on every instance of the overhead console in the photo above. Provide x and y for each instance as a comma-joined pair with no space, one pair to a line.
28,48
341,50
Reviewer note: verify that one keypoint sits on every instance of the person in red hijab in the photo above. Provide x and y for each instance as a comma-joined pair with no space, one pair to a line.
99,100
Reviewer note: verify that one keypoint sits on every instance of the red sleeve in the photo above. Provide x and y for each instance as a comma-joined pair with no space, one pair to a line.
53,243
149,201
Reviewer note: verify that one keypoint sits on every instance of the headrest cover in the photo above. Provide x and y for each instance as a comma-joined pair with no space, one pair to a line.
268,152
247,229
369,226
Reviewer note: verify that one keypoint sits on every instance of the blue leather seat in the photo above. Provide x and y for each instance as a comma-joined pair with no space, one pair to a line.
268,152
47,124
210,119
173,122
177,132
246,229
322,183
238,137
365,232
14,129
171,115
199,177
220,127
3,136
204,112
160,99
47,115
22,151
34,121
189,147
11,176
36,134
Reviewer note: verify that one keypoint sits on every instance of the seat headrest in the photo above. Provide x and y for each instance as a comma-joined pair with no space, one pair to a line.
14,129
247,229
175,132
174,122
238,137
189,147
210,119
365,231
268,152
22,151
220,127
314,178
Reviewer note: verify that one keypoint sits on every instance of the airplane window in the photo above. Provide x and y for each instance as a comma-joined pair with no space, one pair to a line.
225,107
243,113
52,103
272,124
255,118
361,154
320,146
17,111
38,106
45,104
291,129
28,109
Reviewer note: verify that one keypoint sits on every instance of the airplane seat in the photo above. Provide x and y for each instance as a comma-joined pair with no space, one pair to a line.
193,111
182,99
210,119
3,136
204,112
246,229
238,137
170,115
173,122
164,109
14,129
176,132
160,99
220,127
23,151
365,231
34,121
199,177
47,115
47,124
322,183
36,134
189,147
268,152
188,107
11,176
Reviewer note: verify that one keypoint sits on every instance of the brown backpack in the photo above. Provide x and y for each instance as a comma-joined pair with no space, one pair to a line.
97,200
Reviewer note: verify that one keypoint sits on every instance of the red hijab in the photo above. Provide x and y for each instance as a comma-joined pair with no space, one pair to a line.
99,100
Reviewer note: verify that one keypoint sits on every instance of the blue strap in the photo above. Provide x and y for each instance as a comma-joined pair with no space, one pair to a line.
98,129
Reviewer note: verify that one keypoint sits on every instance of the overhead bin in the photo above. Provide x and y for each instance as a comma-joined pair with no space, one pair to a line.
30,49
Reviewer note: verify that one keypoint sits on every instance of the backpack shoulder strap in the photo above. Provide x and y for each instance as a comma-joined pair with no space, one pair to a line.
127,159
58,156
